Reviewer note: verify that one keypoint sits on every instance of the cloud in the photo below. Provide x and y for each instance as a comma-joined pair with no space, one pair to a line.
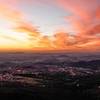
84,12
7,37
95,30
98,13
10,14
85,18
61,40
27,28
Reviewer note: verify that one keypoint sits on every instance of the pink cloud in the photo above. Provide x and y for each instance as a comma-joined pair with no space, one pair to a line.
84,12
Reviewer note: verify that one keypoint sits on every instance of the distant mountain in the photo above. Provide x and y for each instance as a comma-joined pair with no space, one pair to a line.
94,64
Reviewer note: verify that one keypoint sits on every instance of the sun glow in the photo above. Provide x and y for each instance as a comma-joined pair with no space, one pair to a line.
14,40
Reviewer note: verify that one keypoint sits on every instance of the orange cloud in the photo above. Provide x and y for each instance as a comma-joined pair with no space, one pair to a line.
98,13
27,28
83,19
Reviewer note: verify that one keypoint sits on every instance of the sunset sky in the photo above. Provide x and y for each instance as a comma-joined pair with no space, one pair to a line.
30,25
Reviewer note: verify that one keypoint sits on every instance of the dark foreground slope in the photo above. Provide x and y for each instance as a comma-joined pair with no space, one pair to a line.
49,77
53,88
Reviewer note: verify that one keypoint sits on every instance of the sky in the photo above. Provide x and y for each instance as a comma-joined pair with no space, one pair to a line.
30,25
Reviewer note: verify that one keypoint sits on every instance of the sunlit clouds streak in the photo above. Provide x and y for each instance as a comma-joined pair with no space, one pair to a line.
19,33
